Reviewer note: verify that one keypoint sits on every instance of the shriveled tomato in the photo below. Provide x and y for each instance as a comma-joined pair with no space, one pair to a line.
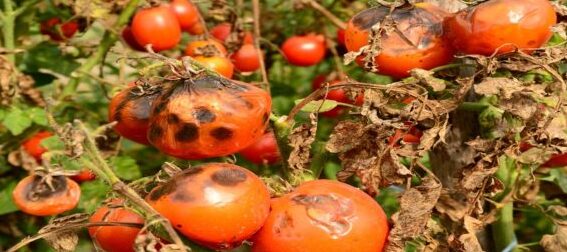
33,144
209,47
58,31
115,238
34,196
187,14
323,215
246,58
502,25
208,116
338,95
221,65
131,110
305,50
130,40
157,26
221,31
217,205
197,29
83,176
263,151
421,25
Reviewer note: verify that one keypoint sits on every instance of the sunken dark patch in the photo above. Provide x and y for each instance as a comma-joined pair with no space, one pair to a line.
173,118
222,133
228,177
164,189
247,103
191,172
155,132
204,115
142,107
36,190
179,226
366,19
265,117
160,106
182,196
187,132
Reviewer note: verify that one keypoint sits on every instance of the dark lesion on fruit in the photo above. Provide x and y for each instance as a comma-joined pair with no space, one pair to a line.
155,132
222,133
187,132
265,117
204,115
160,106
228,177
183,196
164,189
39,189
173,118
366,19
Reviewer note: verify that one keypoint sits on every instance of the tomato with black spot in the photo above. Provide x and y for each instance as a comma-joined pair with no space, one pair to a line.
157,26
421,43
118,238
34,196
217,205
263,151
306,50
57,30
33,146
501,26
323,215
208,116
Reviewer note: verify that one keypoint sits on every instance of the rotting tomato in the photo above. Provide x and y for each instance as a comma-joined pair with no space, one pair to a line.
84,176
186,12
323,215
304,50
221,31
221,65
263,151
157,26
115,238
208,116
33,144
218,205
130,40
34,196
58,31
503,25
422,25
208,47
246,58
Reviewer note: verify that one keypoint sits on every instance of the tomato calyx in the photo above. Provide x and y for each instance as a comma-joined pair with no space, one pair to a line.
45,187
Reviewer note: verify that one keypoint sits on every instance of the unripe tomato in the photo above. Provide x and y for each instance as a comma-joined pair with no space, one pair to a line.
33,144
421,24
57,31
130,40
131,111
35,197
263,151
217,205
187,14
199,47
323,215
246,58
196,29
305,50
157,26
221,65
501,24
84,176
221,31
208,116
115,238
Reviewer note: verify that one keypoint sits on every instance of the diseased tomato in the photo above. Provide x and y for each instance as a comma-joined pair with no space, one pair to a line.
221,65
33,144
209,47
502,25
130,40
84,176
338,95
246,58
115,238
157,26
131,110
305,50
58,31
34,196
323,215
265,150
221,31
422,25
187,14
341,37
217,205
196,29
208,116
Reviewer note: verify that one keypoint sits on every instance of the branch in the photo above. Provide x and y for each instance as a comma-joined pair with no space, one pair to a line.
334,19
257,36
8,20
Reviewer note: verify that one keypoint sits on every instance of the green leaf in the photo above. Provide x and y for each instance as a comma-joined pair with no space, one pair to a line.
6,203
560,178
126,168
53,143
17,121
319,105
92,193
38,116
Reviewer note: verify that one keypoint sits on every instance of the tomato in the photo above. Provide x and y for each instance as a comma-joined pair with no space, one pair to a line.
187,14
556,160
413,136
208,116
205,47
221,65
33,196
221,31
217,205
83,176
131,110
338,95
115,238
33,144
323,215
263,151
422,25
196,29
341,37
305,50
248,38
130,40
246,58
502,24
57,31
157,26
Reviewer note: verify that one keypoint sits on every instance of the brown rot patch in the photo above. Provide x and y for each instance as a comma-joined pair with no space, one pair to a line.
182,196
159,107
265,117
37,190
173,118
191,172
228,177
366,19
164,189
222,133
188,132
155,132
204,115
330,213
283,221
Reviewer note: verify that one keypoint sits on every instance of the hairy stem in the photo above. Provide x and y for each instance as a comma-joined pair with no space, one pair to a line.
8,20
257,36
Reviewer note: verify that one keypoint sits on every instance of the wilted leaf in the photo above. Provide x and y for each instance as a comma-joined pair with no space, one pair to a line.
500,86
426,77
450,6
453,205
469,241
63,241
300,139
558,240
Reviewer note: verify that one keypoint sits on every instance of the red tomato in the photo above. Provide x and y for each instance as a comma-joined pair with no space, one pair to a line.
323,215
248,38
338,95
341,37
33,145
187,14
422,25
502,24
412,137
221,65
265,150
196,29
57,31
83,176
198,48
115,238
221,31
246,58
305,50
130,40
157,26
35,197
217,205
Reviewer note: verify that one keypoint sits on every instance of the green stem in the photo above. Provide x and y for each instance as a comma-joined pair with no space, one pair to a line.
473,106
503,229
282,129
8,21
319,158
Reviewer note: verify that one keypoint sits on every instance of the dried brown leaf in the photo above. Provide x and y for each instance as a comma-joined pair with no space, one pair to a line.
450,6
559,8
558,240
469,240
426,78
500,86
63,241
22,158
300,140
454,206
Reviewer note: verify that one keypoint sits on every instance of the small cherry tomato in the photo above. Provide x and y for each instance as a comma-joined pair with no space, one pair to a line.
323,215
35,197
217,205
341,37
221,31
130,40
248,38
209,47
115,238
263,151
196,29
305,50
422,25
187,14
157,26
33,145
338,95
221,65
246,58
84,176
502,25
57,31
411,137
